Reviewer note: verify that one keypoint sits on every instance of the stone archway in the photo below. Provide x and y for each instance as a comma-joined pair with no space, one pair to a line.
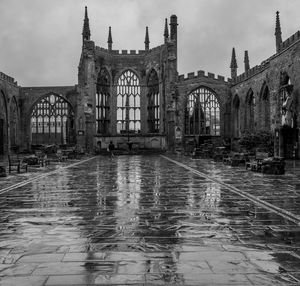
13,123
3,124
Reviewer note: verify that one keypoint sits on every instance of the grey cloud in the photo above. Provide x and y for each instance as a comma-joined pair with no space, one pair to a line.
41,40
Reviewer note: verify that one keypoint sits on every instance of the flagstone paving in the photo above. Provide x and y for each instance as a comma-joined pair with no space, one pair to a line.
144,220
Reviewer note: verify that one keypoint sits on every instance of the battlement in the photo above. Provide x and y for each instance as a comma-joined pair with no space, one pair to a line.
251,72
290,41
7,78
201,73
128,52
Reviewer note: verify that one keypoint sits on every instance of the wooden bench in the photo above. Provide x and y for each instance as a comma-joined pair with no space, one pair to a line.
15,161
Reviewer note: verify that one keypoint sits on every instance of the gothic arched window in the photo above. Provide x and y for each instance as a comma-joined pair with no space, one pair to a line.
236,116
202,113
52,121
264,106
102,102
153,102
128,103
13,122
3,123
249,111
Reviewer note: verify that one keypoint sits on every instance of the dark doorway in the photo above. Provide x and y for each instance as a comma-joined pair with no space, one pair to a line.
290,142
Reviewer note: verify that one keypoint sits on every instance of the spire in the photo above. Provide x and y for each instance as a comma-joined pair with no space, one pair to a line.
166,32
233,65
147,42
246,61
278,33
109,41
86,33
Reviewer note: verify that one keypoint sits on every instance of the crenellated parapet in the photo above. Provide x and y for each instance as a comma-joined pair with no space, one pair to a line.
290,41
252,72
7,78
128,52
201,73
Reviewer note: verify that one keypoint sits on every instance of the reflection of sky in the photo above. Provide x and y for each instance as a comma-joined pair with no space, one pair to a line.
50,221
128,183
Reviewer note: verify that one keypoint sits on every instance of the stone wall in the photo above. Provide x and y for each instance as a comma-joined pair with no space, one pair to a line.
9,113
268,73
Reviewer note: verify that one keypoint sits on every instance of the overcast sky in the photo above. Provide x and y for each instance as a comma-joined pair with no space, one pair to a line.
40,40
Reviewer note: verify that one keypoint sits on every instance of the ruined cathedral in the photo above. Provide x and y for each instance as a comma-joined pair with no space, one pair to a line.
139,97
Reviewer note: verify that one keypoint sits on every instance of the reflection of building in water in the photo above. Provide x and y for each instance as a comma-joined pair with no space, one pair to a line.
128,184
212,196
52,191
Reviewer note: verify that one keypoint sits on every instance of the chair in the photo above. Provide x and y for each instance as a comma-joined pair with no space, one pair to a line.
15,161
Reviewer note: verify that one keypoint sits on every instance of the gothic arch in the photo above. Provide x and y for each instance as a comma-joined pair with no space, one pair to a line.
249,111
103,101
13,121
236,116
46,95
128,103
264,107
52,120
153,96
3,123
202,115
122,71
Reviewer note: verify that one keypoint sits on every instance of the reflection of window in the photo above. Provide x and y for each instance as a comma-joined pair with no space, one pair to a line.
102,102
128,103
153,102
49,119
202,113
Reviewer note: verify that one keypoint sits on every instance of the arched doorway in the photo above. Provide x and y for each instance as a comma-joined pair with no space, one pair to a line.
52,121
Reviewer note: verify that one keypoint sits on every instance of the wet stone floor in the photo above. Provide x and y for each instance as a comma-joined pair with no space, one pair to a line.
145,220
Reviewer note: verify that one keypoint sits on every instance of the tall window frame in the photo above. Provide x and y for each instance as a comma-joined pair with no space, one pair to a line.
236,116
153,102
265,107
13,122
102,102
128,103
202,113
249,110
52,120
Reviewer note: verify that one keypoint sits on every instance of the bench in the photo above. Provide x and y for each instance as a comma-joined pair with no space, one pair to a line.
15,161
235,159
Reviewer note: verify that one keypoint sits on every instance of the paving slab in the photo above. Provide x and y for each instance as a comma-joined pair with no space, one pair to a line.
138,220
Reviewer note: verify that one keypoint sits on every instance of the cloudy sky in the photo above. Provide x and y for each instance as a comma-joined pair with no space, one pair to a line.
40,40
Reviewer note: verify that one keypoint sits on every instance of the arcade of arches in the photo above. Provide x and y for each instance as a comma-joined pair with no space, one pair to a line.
138,96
